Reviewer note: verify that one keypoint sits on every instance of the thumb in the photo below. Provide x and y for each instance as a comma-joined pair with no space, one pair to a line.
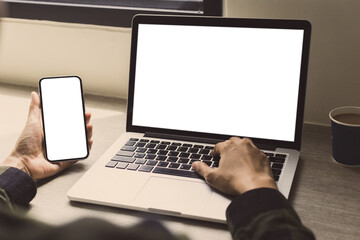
202,169
34,109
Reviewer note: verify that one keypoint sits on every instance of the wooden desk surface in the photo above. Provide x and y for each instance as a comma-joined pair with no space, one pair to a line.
325,194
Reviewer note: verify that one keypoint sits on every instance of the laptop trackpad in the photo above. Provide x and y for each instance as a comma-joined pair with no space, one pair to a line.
177,196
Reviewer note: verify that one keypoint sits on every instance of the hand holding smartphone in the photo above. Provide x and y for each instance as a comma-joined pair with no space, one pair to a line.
63,115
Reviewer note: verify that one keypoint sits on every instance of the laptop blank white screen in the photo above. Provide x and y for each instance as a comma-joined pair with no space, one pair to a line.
223,80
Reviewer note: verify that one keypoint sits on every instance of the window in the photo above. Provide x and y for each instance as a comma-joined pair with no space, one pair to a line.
107,12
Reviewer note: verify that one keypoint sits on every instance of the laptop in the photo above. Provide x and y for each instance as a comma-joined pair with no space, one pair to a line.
194,82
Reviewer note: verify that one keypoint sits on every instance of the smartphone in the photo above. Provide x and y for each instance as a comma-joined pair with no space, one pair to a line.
63,116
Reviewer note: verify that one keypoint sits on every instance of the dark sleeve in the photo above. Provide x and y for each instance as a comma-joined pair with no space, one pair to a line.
264,213
18,189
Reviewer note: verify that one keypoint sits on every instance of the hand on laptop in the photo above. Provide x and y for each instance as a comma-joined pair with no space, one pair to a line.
28,154
242,167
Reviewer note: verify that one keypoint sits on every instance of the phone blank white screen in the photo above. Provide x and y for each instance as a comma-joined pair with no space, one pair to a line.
222,80
63,118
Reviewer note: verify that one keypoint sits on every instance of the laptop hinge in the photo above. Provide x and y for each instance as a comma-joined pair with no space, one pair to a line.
182,138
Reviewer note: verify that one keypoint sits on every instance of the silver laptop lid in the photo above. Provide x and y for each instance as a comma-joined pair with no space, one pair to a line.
212,78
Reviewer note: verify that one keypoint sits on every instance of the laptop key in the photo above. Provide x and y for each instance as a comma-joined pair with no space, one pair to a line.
133,166
123,159
155,141
165,142
111,164
145,168
173,154
163,152
176,144
152,162
185,155
183,149
150,156
124,153
204,151
172,159
140,144
144,140
163,164
193,150
176,172
276,160
183,160
130,143
161,158
171,148
277,165
280,155
134,139
140,161
142,150
174,165
161,146
122,165
198,146
195,156
185,166
187,145
151,145
128,148
276,171
139,155
151,151
206,157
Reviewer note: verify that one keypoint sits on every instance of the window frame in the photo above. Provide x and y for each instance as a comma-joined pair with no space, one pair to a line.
98,15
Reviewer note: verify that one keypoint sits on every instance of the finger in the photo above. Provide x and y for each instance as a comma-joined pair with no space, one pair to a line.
90,143
248,140
35,99
202,169
87,117
34,109
64,165
218,148
89,129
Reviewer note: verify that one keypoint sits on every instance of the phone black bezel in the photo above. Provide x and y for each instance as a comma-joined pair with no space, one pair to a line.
84,117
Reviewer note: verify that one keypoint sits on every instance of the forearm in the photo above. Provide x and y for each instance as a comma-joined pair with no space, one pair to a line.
265,214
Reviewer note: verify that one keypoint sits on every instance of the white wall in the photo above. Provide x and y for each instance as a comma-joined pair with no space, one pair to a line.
32,49
334,67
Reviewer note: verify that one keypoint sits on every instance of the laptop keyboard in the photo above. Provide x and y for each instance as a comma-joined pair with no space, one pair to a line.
174,158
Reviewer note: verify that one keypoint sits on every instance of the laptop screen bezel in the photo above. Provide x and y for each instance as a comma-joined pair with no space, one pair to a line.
228,22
